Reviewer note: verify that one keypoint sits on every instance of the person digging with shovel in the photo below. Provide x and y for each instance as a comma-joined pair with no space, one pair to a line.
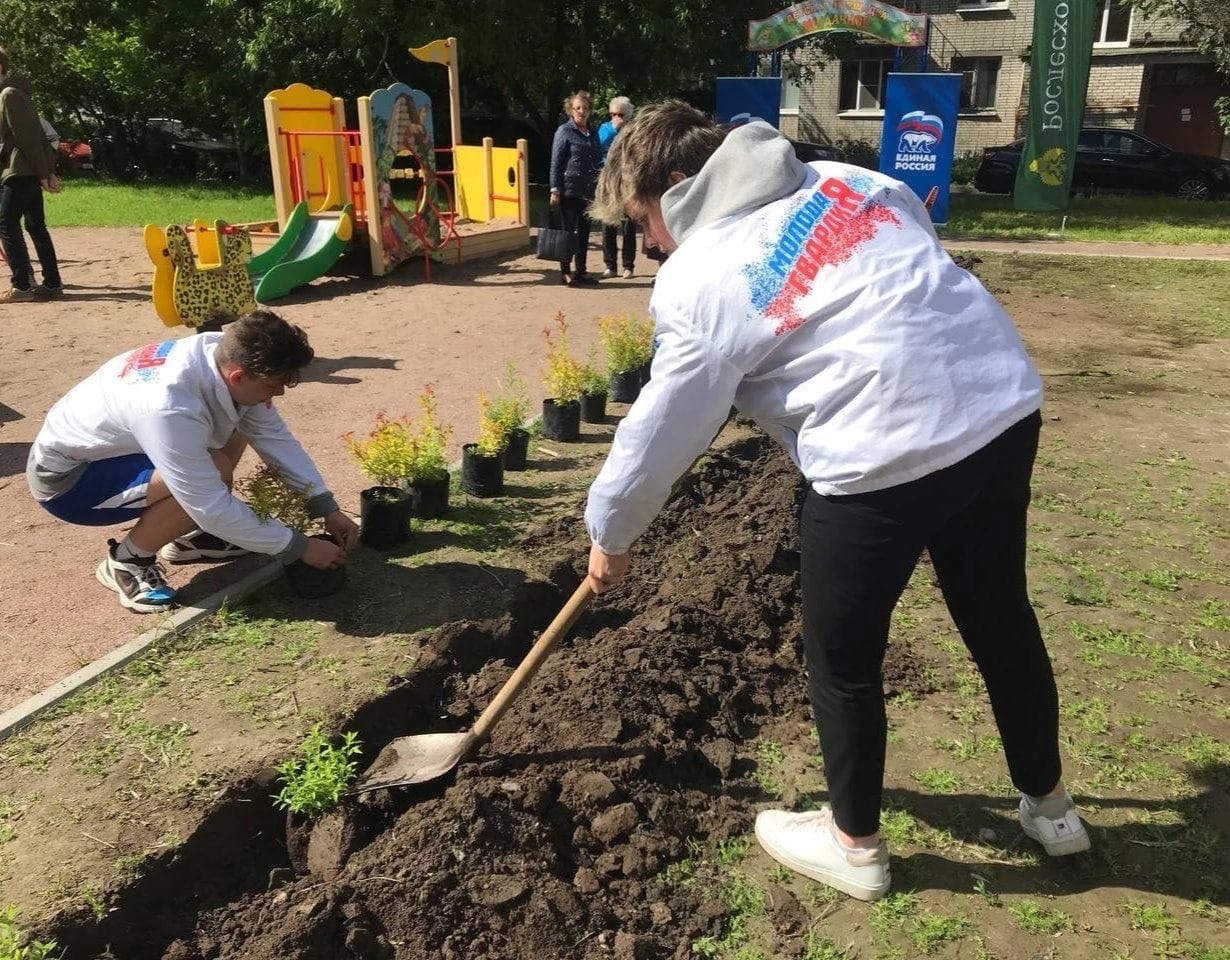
817,300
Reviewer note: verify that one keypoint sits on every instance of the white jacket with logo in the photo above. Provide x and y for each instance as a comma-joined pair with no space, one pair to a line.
168,401
817,300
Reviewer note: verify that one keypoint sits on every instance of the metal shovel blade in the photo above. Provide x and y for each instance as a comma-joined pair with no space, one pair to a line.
410,760
417,759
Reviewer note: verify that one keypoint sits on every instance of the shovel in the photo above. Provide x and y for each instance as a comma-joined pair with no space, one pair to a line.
417,759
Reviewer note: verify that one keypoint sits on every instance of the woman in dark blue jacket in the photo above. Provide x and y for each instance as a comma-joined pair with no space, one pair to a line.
576,159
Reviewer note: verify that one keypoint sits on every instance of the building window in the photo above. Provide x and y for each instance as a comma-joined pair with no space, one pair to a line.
979,77
790,95
862,84
973,6
1112,22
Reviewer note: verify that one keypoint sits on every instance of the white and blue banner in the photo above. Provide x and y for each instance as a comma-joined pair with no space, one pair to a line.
920,131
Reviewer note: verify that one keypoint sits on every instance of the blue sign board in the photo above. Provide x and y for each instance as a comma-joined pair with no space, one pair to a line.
920,131
740,99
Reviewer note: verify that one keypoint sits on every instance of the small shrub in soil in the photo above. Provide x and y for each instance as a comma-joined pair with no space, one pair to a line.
315,780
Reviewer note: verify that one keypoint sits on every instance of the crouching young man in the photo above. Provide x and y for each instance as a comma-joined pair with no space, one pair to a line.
154,435
817,300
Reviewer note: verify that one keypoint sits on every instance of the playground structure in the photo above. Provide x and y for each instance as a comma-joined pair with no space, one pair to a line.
479,204
334,185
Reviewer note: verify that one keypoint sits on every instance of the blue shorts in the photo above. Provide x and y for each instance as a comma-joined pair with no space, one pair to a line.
108,492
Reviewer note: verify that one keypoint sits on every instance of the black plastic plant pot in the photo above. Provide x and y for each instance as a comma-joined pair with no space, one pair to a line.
561,421
308,583
646,370
593,408
516,451
429,498
384,516
481,476
626,386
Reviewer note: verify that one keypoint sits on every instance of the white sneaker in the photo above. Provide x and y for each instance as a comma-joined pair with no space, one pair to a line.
805,843
628,273
199,545
1060,835
141,585
608,274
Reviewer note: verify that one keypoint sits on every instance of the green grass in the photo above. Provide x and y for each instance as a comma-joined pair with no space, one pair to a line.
97,203
1138,219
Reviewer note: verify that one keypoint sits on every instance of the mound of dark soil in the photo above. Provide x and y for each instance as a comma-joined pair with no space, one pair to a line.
551,842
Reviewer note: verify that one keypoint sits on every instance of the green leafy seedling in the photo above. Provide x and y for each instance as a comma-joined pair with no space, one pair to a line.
11,937
314,781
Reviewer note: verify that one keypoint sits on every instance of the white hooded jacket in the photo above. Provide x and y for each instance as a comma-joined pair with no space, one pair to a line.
168,401
817,300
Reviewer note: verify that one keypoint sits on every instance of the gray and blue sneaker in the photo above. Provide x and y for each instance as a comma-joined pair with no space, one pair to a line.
141,585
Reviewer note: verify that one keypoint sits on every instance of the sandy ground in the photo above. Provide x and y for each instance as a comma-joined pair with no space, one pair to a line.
377,344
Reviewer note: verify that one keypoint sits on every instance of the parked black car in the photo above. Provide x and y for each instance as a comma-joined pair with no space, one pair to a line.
808,152
1111,159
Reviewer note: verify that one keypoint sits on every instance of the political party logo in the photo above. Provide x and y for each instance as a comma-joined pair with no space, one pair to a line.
826,229
1051,167
145,362
919,134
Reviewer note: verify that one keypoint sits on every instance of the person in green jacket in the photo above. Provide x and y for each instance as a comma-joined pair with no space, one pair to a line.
27,168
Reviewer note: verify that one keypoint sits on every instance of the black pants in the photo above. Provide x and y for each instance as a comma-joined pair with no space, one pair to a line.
22,197
625,233
857,555
577,222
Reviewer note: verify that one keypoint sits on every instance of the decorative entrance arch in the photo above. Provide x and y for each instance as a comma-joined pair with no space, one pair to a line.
867,17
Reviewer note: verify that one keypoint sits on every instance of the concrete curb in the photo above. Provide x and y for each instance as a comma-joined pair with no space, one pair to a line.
24,713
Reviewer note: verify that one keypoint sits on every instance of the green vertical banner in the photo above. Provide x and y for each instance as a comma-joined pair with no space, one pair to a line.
1058,78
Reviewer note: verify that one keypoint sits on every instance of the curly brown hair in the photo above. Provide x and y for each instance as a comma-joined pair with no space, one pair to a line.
266,346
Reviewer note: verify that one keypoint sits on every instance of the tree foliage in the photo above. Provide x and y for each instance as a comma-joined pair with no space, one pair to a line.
108,65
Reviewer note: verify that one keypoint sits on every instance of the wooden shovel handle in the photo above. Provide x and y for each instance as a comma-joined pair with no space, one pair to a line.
533,660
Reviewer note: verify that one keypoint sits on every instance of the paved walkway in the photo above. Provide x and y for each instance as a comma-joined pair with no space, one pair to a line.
1087,248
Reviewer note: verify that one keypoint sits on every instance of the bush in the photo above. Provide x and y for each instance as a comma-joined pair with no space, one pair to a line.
965,166
511,405
11,947
387,455
563,374
430,438
314,781
628,340
272,497
492,433
861,153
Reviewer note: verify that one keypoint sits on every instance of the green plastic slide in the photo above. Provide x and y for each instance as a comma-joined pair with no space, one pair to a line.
309,245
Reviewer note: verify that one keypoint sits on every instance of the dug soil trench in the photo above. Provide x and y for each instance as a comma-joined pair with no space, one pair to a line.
630,747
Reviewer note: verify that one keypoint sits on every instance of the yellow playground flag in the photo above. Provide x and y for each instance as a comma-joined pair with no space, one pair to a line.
438,51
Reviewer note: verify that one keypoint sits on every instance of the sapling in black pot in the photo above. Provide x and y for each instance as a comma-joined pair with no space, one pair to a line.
482,462
593,392
272,497
561,412
428,478
386,455
509,410
629,345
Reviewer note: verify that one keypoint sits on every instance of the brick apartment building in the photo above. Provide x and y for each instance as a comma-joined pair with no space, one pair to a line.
1142,77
